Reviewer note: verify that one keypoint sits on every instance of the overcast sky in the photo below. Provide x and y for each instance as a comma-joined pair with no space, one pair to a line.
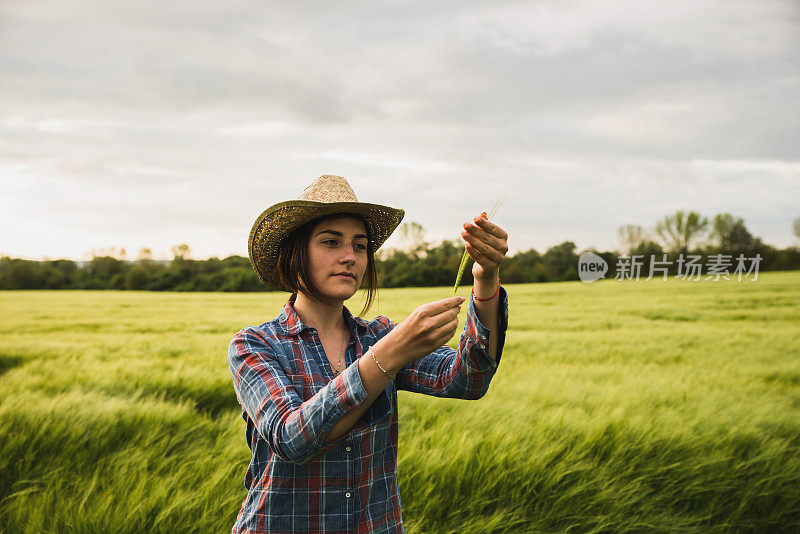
149,124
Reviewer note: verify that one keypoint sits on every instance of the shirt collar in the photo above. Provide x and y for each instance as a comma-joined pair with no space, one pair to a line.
292,325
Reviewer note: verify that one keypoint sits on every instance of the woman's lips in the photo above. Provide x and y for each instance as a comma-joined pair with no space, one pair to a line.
347,276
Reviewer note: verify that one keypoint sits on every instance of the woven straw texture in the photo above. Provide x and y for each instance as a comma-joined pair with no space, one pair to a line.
326,195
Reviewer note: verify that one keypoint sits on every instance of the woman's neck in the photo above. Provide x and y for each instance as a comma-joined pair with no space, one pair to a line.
326,317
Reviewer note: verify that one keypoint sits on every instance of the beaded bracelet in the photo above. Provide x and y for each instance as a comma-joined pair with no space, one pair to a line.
490,298
371,353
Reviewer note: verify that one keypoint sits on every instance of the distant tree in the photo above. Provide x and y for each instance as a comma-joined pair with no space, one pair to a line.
181,252
523,267
648,250
118,281
111,252
242,280
631,235
412,239
137,277
796,227
561,261
211,265
103,268
22,274
739,239
648,247
679,230
144,254
58,274
236,261
723,226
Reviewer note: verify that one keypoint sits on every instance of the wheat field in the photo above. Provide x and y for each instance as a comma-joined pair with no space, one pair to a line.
617,407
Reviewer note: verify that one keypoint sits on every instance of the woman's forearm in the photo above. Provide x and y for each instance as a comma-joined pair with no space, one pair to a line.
488,311
426,329
374,381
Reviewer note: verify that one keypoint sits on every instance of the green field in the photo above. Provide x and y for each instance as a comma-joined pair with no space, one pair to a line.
635,406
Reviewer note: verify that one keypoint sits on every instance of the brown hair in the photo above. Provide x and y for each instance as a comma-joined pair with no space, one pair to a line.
293,263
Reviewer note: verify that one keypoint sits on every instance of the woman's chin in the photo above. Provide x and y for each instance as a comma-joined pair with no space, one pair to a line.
340,293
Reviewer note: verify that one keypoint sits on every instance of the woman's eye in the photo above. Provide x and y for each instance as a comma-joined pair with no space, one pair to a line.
335,243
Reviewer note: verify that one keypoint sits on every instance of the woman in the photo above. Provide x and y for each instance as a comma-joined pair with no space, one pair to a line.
318,386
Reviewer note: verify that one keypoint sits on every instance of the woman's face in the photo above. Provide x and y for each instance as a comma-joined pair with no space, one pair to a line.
337,250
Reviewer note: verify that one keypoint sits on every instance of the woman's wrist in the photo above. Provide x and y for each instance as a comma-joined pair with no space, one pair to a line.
486,289
374,359
385,357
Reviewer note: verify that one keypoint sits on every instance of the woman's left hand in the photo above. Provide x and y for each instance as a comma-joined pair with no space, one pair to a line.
487,244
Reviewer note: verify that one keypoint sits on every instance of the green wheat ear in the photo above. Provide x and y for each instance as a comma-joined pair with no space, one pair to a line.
465,256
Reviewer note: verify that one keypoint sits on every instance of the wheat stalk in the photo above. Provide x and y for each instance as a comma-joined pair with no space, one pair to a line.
465,256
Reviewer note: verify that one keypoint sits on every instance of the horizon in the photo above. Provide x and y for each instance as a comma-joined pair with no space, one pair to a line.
166,257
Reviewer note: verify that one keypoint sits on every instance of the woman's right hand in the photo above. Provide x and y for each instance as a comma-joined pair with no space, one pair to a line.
426,329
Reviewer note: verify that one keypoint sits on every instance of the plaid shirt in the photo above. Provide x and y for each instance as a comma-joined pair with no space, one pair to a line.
291,399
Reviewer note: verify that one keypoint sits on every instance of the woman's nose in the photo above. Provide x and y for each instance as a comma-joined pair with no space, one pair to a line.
349,254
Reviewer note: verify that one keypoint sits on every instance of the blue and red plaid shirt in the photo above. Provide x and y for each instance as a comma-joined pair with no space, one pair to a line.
291,399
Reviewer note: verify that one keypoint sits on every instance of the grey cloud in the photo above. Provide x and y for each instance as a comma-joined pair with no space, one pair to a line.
583,110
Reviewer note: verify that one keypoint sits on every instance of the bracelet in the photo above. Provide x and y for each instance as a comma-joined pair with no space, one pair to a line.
490,298
371,353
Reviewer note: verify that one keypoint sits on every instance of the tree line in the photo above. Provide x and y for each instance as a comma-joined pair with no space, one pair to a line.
414,263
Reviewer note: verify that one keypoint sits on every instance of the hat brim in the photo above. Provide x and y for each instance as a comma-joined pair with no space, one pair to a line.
281,219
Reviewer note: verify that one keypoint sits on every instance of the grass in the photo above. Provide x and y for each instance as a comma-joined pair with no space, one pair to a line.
617,407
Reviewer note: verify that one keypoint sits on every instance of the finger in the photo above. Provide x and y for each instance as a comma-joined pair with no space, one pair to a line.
485,250
491,240
438,306
491,227
445,332
444,318
474,254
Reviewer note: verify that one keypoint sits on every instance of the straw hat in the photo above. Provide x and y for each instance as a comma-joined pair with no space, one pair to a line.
326,195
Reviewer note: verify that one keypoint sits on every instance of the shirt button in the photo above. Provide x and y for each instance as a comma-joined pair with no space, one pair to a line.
347,494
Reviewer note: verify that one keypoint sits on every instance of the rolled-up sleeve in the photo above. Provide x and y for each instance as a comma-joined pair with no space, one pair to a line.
295,430
464,373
